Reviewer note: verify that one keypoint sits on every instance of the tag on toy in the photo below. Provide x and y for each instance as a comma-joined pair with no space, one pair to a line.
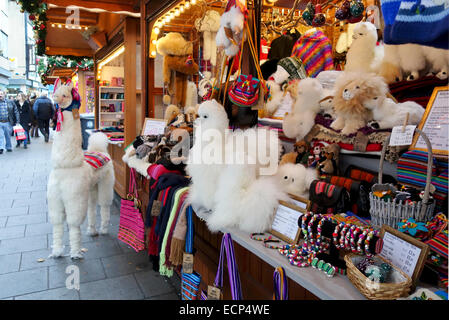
360,142
401,137
76,113
187,263
213,293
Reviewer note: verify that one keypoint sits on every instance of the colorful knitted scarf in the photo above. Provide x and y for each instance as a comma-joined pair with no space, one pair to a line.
315,51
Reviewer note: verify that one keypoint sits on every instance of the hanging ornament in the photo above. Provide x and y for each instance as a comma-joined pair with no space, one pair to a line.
356,8
343,12
42,26
319,19
32,17
309,13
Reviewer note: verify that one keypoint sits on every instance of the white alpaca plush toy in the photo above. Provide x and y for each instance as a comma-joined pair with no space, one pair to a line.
363,54
438,60
390,68
388,114
296,179
230,33
75,186
209,25
206,157
327,103
307,98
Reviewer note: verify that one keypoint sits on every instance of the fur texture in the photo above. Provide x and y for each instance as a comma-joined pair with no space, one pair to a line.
362,54
390,68
171,112
253,197
327,103
388,114
351,89
173,43
307,95
209,25
232,20
438,60
74,187
296,179
412,59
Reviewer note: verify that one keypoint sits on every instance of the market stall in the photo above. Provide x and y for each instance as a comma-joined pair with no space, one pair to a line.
354,209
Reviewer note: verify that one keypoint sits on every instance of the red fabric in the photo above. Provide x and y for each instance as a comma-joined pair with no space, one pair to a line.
156,170
369,148
264,47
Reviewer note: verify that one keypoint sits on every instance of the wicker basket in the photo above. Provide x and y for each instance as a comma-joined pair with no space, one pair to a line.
377,291
391,212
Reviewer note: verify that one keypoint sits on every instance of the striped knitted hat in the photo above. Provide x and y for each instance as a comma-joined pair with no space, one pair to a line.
294,67
315,51
423,22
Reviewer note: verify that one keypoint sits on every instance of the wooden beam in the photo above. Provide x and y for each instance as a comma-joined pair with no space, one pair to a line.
108,5
53,51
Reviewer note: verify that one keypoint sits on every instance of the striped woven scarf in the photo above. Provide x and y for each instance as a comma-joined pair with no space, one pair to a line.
95,159
315,51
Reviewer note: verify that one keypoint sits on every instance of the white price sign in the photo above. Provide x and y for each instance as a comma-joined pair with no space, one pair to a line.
399,138
285,222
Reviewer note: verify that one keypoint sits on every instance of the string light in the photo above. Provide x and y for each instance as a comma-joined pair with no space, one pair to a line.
181,8
156,31
59,25
177,12
153,41
187,4
153,53
193,2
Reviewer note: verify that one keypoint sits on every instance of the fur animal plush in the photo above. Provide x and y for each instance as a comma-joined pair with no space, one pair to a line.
233,175
327,104
296,179
230,33
363,54
351,89
74,187
171,112
307,96
209,25
390,68
438,60
212,119
177,60
388,114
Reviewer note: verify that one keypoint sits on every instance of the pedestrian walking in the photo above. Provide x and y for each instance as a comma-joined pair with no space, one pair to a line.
23,105
44,111
9,116
34,130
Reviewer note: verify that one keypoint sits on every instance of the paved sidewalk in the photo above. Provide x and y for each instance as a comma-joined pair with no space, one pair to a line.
109,270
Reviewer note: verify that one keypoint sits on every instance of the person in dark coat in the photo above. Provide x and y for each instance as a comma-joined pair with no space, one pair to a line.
34,131
44,110
23,105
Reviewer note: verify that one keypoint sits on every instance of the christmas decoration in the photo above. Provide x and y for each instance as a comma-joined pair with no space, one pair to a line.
319,19
38,15
77,63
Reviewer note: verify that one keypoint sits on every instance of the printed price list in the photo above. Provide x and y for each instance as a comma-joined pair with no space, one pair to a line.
286,221
402,254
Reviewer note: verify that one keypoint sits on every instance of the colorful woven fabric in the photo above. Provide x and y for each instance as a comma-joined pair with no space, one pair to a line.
412,169
190,284
95,159
245,91
315,51
323,187
439,243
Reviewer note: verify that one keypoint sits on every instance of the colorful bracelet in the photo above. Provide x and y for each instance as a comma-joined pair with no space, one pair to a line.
267,245
336,233
319,229
360,242
348,237
353,237
367,243
342,236
304,224
310,227
254,236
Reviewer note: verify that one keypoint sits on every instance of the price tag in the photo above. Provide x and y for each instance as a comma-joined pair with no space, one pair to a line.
187,263
213,293
399,138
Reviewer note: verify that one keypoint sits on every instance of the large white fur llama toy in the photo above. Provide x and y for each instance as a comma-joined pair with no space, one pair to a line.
74,185
363,54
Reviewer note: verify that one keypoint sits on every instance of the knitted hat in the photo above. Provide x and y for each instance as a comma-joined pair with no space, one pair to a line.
423,22
294,67
315,51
